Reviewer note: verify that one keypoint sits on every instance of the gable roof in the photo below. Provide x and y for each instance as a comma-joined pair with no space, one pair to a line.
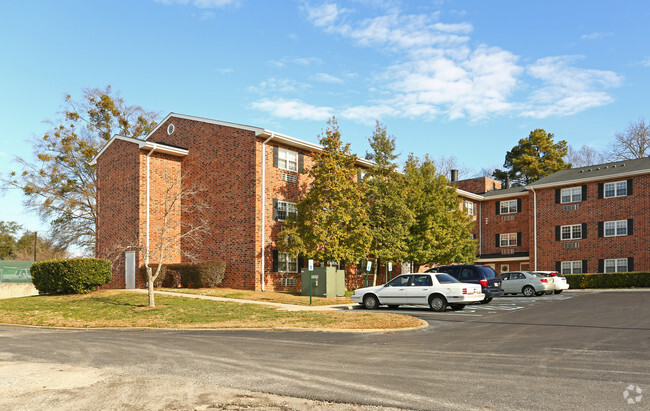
142,144
616,169
505,192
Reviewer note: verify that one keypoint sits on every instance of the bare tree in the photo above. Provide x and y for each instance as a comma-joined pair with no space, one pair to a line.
633,143
175,201
444,164
584,156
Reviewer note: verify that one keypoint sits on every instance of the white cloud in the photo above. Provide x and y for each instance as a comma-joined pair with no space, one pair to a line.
646,62
293,109
207,15
202,4
301,61
567,89
324,14
368,114
596,35
327,78
278,85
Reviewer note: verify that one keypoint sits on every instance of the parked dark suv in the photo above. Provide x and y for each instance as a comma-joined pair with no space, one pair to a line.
476,274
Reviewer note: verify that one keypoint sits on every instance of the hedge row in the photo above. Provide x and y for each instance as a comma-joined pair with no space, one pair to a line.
70,276
189,275
608,280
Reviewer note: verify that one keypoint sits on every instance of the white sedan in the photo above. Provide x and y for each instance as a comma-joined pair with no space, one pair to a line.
559,281
437,290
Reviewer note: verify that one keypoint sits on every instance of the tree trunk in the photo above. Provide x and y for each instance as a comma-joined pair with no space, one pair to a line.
374,277
152,303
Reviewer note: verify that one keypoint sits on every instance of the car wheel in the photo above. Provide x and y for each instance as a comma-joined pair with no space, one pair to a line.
393,306
528,291
540,293
457,307
557,291
486,300
370,302
548,292
437,303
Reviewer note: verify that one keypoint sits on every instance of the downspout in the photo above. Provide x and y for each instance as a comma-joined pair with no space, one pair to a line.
480,228
534,226
264,206
148,201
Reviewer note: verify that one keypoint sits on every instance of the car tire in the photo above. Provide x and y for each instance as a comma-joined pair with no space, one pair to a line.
486,300
548,292
528,291
540,293
438,303
370,302
457,307
393,306
557,291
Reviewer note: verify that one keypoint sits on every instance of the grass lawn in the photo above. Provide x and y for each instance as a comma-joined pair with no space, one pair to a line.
114,308
283,297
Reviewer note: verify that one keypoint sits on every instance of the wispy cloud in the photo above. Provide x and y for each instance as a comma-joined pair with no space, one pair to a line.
202,4
224,70
293,109
327,78
441,73
278,85
300,61
596,35
646,62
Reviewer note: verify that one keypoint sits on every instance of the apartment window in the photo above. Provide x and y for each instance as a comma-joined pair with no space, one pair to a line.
616,189
508,207
287,159
572,267
285,209
287,263
571,232
616,265
470,207
615,228
571,195
508,240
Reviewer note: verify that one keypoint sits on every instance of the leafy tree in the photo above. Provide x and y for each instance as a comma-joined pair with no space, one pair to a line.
8,232
442,232
46,248
331,223
59,183
633,143
535,157
390,217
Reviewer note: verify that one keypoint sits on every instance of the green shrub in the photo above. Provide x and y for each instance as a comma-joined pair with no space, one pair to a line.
608,280
70,276
189,275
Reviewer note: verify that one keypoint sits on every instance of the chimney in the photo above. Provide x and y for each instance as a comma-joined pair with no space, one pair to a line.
454,175
507,184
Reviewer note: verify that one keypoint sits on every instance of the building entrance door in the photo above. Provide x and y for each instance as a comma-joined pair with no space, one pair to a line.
129,258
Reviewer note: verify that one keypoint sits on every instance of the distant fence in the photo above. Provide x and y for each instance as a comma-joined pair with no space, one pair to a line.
15,271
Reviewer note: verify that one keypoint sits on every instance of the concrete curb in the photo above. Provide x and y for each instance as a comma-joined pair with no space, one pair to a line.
607,290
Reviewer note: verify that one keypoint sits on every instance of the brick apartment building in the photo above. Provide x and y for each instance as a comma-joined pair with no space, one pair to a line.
581,220
252,180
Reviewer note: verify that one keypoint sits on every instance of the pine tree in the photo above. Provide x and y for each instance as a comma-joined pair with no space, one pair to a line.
390,217
331,223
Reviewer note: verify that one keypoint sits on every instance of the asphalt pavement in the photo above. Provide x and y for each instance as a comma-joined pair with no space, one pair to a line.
586,351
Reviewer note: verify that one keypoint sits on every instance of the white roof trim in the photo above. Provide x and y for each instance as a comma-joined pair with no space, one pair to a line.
160,147
501,196
589,179
468,194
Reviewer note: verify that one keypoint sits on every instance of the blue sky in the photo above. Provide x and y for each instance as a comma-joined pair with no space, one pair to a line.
454,78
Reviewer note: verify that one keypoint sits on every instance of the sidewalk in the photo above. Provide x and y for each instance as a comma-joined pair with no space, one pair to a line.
286,307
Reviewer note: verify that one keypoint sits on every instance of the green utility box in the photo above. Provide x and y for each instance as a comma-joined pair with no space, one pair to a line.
328,282
15,271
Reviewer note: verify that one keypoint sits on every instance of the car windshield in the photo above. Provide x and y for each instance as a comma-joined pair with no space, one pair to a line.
446,279
541,275
489,273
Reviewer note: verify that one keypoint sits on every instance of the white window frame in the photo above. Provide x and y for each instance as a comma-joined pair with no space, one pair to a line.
508,206
619,189
574,232
470,207
571,267
287,263
285,209
619,228
287,159
571,194
616,263
508,240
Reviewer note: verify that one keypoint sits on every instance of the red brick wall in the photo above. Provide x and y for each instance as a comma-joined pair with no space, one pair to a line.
221,160
591,211
118,187
478,185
